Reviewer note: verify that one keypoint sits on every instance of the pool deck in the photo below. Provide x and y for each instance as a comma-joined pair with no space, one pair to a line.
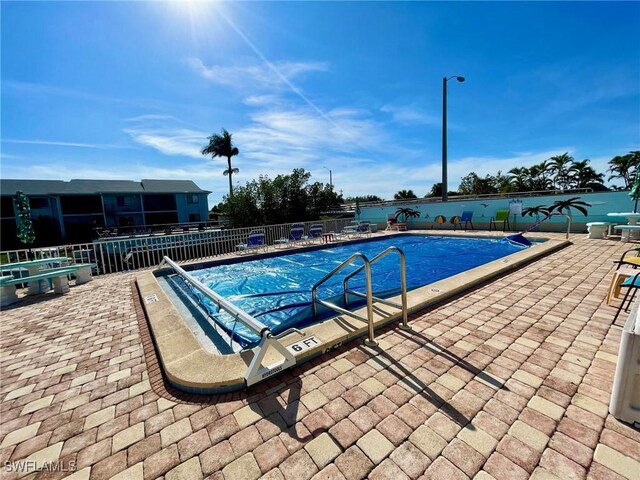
508,381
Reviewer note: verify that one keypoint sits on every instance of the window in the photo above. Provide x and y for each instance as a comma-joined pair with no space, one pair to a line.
123,201
6,207
39,203
81,204
158,203
193,199
194,217
161,218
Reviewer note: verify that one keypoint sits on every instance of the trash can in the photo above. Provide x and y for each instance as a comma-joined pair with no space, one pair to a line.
625,395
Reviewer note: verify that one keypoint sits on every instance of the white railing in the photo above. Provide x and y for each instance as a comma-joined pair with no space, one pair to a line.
119,254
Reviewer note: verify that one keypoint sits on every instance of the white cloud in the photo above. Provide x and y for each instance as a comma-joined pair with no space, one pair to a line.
167,135
256,76
55,143
410,114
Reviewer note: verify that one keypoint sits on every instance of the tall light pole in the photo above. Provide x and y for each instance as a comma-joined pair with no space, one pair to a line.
330,177
444,134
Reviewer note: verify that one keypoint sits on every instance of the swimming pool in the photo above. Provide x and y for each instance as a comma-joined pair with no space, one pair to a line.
277,290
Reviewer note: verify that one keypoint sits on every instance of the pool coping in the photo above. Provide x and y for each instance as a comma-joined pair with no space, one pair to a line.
188,367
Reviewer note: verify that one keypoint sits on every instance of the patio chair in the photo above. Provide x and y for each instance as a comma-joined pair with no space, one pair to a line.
631,284
296,235
455,221
466,219
315,232
633,260
363,228
392,222
502,216
255,241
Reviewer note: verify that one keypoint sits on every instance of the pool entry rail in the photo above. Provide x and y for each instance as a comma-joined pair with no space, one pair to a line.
256,372
403,285
371,341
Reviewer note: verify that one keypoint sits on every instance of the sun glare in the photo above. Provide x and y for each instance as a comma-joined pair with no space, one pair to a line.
202,17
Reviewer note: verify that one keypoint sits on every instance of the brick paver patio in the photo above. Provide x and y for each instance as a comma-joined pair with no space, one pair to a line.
509,381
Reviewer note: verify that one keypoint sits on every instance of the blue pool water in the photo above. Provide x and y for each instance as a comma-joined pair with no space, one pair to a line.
277,290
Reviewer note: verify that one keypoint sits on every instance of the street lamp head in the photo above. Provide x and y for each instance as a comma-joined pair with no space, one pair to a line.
460,79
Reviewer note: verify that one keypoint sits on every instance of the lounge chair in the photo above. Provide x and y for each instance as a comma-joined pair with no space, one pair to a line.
296,235
255,241
363,228
394,224
315,233
502,216
391,222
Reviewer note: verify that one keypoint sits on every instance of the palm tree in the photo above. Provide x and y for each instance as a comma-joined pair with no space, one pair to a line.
518,176
559,166
562,205
583,174
537,210
407,213
539,179
221,146
404,194
625,167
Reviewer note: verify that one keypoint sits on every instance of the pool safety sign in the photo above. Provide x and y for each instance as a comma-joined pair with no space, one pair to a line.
151,298
515,207
305,344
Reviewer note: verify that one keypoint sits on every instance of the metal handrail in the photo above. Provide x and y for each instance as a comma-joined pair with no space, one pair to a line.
256,371
403,284
247,320
369,295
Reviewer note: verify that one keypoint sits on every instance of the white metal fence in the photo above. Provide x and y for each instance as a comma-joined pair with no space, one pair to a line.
120,254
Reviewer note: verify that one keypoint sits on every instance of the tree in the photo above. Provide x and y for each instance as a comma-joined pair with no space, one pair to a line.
283,199
221,146
538,177
363,199
519,178
26,234
560,165
404,195
436,190
582,174
472,184
625,167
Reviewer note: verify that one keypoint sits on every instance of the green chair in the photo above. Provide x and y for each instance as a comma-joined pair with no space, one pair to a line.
502,216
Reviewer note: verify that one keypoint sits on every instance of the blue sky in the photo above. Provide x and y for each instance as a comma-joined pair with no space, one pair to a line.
131,90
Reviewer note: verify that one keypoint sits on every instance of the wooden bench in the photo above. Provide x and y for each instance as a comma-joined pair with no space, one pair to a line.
58,277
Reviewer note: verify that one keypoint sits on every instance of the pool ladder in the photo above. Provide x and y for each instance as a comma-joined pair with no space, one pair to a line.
366,266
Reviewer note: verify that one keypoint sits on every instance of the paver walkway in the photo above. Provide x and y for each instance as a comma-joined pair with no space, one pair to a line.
509,381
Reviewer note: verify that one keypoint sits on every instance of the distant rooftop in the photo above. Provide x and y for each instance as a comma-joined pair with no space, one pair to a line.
88,187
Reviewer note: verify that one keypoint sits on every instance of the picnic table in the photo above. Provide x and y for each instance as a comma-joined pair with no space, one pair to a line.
33,267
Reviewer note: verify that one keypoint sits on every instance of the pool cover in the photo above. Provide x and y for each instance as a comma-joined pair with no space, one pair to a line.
277,290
